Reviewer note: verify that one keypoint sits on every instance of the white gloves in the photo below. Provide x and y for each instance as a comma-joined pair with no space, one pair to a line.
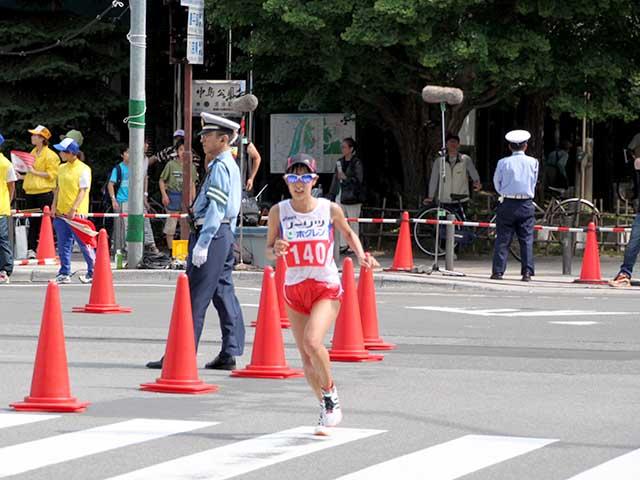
199,255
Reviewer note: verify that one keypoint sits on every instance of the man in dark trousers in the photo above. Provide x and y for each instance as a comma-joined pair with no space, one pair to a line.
515,181
210,261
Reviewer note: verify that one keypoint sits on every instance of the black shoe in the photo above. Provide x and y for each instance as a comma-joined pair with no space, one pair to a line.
222,362
526,277
157,365
496,276
345,251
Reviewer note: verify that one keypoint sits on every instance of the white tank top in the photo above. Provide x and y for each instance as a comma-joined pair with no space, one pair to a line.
310,237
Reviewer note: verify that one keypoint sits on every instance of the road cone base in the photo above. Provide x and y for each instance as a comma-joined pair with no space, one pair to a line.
193,387
592,282
353,356
378,344
411,269
251,371
102,309
48,261
64,405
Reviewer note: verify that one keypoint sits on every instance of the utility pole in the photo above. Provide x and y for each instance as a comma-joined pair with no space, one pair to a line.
136,120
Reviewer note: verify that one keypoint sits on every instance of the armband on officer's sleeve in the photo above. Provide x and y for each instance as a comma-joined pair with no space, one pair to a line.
219,196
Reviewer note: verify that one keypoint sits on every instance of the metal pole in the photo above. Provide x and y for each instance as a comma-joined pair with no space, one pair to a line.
187,160
136,120
567,253
229,53
450,244
441,172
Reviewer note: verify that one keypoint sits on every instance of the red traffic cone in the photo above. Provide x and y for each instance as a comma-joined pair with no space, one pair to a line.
348,340
50,390
46,252
590,272
369,312
102,298
281,270
179,367
267,357
403,258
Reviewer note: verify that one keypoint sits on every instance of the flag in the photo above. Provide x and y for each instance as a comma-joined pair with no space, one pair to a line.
22,160
85,230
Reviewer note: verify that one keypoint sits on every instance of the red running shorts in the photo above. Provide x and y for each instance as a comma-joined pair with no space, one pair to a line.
302,296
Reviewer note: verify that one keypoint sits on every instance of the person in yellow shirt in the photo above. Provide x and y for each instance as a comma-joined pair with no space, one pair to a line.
40,181
7,190
71,199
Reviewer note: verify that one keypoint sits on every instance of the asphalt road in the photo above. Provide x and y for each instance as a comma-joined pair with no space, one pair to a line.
498,386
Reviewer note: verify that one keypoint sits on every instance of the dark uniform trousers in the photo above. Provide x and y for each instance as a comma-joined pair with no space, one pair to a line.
212,282
514,216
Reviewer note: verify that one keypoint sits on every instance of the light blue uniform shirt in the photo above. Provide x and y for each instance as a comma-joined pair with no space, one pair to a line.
219,197
516,175
122,195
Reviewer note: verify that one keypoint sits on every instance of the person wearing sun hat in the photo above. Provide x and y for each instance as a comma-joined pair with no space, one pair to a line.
71,198
40,181
7,190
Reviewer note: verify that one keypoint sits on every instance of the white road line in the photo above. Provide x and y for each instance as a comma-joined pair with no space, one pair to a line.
624,467
576,324
247,456
16,419
451,460
28,456
252,305
517,313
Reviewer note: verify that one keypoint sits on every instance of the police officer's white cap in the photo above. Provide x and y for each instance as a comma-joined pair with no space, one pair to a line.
517,136
211,123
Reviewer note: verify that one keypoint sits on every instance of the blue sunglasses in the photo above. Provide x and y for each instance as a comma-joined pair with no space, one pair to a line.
304,178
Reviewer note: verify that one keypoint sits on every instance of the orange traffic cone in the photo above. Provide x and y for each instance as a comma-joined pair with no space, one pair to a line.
403,258
46,252
102,298
590,272
267,357
369,312
50,390
281,270
179,367
348,340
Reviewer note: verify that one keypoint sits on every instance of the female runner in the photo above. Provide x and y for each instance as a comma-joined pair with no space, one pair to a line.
302,229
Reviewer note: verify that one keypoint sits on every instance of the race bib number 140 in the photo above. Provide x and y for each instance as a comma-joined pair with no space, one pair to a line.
312,253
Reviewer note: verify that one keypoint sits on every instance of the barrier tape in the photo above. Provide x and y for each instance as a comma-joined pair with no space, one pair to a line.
428,221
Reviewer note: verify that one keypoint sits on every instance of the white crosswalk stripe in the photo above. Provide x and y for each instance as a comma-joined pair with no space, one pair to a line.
69,446
249,455
514,312
453,459
624,467
16,419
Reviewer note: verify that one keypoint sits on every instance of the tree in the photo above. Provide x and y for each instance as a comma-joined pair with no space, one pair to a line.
65,87
373,57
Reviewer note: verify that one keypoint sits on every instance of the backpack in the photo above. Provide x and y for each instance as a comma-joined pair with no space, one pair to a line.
106,199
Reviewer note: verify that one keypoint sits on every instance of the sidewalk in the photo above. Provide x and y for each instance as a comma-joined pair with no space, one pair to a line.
476,272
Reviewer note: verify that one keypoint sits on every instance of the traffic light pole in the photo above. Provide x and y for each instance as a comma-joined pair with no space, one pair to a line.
136,120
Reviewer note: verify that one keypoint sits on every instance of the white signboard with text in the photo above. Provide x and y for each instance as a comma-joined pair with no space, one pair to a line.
318,134
215,96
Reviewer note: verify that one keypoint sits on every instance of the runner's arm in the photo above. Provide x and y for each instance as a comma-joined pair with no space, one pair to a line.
275,245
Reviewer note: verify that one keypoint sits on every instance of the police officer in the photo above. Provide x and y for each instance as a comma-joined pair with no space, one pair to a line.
210,261
515,181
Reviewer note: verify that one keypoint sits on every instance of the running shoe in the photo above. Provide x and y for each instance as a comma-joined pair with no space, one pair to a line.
622,280
4,277
63,279
85,278
31,254
330,411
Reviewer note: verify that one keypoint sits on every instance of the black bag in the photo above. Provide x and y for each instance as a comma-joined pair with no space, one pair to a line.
352,191
106,199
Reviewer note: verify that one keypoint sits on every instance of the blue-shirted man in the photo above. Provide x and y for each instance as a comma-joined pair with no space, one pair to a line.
210,261
515,181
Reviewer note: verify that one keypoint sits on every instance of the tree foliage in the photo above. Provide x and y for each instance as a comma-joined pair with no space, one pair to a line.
373,57
63,88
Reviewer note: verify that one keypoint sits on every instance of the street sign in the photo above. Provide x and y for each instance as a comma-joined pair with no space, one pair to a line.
195,50
195,36
195,22
215,96
192,3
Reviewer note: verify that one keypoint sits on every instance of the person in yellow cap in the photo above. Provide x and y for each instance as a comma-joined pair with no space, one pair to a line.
7,190
40,181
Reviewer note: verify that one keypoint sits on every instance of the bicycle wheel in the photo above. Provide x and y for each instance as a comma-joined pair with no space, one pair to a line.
425,234
574,212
